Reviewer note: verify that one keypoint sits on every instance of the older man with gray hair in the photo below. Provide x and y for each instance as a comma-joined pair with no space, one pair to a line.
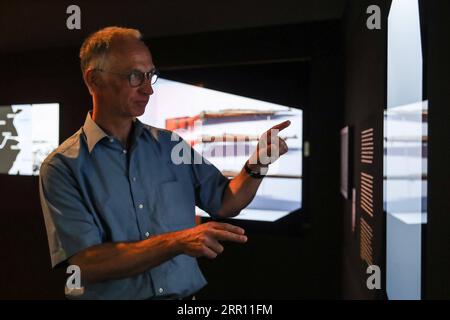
116,205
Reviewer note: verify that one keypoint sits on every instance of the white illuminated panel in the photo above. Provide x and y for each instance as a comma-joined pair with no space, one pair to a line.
405,143
28,133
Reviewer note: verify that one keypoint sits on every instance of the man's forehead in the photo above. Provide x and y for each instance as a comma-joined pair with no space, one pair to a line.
137,61
131,54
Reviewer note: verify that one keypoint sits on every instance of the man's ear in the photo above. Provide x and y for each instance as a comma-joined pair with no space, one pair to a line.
92,80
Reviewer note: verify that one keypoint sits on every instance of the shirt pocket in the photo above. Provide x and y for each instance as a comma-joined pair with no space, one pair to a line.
176,205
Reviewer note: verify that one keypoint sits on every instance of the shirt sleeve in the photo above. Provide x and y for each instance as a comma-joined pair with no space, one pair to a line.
70,226
209,183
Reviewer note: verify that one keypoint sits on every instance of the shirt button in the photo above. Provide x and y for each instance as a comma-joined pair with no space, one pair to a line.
124,151
141,206
111,139
147,234
134,178
160,290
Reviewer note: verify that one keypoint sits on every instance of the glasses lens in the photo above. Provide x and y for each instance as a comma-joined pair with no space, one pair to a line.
136,78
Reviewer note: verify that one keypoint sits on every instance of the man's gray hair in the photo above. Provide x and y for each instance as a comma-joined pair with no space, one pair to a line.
96,46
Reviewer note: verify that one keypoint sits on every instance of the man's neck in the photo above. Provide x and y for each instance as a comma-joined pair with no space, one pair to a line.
118,127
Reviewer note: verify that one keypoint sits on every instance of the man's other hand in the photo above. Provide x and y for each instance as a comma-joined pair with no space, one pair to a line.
204,240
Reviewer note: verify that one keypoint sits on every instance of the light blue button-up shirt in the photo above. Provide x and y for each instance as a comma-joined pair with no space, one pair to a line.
93,191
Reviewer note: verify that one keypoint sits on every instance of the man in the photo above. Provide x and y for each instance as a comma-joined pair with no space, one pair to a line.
114,202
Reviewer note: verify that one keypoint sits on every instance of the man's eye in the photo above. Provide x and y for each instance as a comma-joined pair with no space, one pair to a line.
137,74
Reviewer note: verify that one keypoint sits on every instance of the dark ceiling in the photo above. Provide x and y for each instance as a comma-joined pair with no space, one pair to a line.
31,25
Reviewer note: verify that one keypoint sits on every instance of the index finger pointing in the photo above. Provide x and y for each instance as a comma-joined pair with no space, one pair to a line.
281,125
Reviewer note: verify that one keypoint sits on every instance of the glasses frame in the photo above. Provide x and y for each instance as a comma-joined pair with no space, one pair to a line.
147,75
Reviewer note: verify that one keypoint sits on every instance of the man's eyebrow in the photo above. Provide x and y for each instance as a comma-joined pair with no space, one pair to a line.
136,69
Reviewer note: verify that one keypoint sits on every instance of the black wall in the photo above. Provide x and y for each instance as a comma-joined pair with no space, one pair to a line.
365,98
437,254
40,77
305,264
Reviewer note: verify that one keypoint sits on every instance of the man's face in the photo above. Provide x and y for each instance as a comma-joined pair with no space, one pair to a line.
115,93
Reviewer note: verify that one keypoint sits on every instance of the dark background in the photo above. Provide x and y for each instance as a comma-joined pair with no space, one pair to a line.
365,60
332,65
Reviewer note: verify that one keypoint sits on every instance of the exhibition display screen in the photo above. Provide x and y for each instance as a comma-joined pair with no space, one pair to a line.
224,128
28,133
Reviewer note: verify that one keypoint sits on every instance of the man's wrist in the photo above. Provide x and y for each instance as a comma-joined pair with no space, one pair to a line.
255,170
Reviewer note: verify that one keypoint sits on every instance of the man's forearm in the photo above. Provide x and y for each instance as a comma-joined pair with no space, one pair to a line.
240,192
110,261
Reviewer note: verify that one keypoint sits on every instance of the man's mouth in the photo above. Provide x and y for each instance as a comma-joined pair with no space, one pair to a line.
142,102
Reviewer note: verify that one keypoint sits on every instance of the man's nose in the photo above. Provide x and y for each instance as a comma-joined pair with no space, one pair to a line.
146,88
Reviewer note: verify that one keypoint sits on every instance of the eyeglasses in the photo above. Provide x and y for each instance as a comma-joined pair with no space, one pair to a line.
136,78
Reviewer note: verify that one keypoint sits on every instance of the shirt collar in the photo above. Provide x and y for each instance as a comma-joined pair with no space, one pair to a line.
94,133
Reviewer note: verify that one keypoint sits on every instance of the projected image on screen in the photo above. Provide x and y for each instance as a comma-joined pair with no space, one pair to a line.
28,133
225,128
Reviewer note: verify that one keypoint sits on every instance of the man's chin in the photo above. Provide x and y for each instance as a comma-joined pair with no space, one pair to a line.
139,109
137,114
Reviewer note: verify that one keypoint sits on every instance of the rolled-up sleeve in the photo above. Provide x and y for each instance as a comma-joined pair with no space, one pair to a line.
70,226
